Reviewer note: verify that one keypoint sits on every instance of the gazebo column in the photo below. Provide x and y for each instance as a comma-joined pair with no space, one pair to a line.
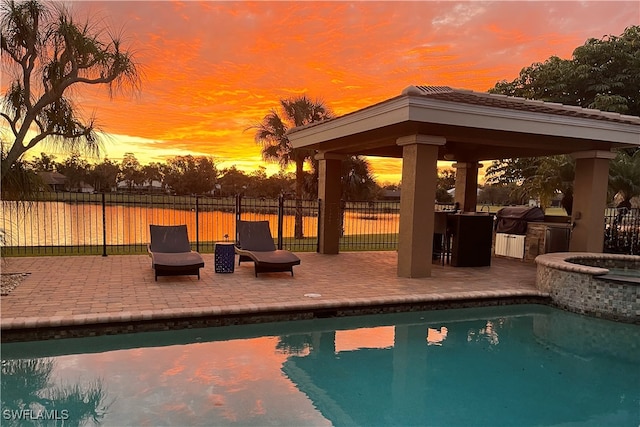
467,185
329,193
589,200
417,199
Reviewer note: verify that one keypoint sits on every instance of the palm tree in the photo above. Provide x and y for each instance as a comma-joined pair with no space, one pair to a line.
536,177
624,175
47,55
358,183
271,133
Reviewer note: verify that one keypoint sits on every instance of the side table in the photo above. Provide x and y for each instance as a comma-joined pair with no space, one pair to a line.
224,257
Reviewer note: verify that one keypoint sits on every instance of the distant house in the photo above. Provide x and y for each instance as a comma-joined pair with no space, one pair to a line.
82,187
123,186
55,180
155,186
146,187
452,191
388,194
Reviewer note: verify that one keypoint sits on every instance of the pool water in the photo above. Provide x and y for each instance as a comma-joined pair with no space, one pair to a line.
501,366
627,272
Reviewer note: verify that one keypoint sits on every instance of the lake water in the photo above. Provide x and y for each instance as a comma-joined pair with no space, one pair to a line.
66,224
503,366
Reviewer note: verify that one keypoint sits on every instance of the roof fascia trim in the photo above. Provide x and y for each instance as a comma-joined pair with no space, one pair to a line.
414,108
384,114
495,118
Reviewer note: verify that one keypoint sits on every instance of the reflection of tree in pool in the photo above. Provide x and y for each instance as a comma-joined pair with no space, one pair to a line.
298,344
489,333
26,386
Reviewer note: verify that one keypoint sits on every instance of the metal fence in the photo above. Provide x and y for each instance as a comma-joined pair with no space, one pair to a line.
59,223
622,231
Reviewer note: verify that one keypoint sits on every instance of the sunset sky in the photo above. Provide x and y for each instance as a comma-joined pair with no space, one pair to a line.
213,69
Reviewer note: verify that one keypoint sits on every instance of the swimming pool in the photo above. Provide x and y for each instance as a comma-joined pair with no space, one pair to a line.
510,365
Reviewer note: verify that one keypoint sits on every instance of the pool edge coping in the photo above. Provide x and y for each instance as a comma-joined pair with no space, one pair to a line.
178,313
561,261
33,329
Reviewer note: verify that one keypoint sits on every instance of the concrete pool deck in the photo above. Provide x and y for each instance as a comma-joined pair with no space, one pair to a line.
66,296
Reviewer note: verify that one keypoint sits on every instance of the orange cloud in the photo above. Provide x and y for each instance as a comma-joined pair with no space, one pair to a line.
213,69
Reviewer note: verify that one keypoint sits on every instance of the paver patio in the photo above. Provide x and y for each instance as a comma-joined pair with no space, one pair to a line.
82,290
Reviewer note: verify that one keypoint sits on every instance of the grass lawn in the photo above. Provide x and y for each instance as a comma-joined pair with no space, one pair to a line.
372,242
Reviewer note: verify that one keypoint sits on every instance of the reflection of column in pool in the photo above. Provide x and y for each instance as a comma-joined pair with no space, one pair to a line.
323,343
400,366
409,364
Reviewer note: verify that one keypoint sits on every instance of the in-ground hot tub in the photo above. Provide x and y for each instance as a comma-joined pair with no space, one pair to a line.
600,285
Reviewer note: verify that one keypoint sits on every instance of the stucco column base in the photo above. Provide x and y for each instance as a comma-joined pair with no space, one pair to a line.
417,199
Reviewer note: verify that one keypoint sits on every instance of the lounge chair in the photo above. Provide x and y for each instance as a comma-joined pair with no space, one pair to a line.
255,243
171,253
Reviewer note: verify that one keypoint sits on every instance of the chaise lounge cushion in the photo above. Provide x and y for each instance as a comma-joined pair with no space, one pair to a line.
171,253
176,261
274,259
255,243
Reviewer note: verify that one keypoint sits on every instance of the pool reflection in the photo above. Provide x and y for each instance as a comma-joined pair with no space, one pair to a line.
31,396
497,371
378,337
489,332
435,336
461,367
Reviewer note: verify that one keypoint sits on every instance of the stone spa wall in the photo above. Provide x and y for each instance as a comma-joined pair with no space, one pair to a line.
600,285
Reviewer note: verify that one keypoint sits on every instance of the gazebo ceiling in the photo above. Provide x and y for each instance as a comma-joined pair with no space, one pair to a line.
476,126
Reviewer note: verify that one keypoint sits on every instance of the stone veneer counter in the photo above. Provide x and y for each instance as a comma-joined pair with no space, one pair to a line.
587,283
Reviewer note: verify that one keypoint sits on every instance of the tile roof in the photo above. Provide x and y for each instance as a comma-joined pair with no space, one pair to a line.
463,96
53,178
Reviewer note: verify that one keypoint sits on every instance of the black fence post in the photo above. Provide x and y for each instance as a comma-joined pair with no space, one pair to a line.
197,223
104,225
238,213
318,230
280,219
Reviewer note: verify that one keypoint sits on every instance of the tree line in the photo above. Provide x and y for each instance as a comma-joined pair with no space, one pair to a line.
186,175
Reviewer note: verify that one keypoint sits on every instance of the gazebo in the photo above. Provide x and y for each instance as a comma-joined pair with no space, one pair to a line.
425,124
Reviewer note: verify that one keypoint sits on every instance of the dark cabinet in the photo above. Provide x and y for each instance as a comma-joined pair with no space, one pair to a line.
557,239
472,236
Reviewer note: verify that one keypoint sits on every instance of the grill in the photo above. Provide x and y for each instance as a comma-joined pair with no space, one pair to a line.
514,219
